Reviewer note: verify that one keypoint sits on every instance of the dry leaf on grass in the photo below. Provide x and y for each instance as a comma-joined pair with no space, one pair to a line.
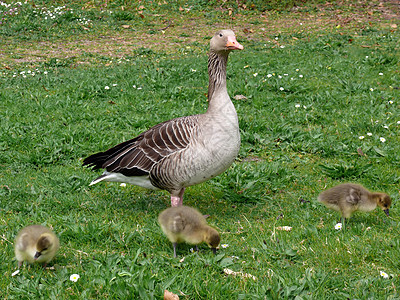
241,274
170,296
284,228
240,97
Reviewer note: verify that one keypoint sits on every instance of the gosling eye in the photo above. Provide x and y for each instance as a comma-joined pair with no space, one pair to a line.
220,35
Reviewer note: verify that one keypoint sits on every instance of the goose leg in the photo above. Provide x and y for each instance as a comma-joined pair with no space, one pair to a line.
174,244
177,200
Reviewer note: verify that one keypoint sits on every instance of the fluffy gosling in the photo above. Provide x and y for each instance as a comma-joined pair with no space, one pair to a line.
36,244
186,224
349,197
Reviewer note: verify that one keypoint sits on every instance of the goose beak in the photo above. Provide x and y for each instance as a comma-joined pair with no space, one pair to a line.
37,254
214,250
386,212
232,44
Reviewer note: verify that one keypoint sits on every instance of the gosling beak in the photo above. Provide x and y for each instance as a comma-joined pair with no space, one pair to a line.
37,254
386,211
214,250
233,44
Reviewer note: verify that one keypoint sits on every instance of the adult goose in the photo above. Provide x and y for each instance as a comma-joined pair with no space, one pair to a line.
184,151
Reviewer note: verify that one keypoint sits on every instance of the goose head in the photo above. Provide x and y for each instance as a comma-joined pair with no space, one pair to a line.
383,201
224,40
212,238
44,245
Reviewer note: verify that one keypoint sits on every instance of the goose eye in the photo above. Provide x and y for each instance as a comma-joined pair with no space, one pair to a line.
220,34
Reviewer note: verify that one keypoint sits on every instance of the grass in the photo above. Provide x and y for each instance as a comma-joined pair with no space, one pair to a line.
314,99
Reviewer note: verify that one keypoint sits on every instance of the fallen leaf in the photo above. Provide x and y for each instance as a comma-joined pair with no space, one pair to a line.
284,228
126,26
180,8
170,296
360,152
248,30
243,275
141,7
240,97
393,25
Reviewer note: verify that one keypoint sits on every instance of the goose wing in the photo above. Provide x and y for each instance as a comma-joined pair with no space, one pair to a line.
137,156
354,196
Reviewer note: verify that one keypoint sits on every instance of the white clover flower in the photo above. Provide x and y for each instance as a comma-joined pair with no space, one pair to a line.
269,75
380,74
106,87
398,122
123,184
279,76
285,74
338,226
361,137
369,133
297,70
281,88
382,139
297,105
224,246
139,88
255,74
115,84
282,46
301,76
74,277
193,70
45,72
276,38
371,89
15,273
366,56
383,274
386,127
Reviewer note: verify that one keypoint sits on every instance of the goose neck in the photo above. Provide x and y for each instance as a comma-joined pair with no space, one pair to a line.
217,73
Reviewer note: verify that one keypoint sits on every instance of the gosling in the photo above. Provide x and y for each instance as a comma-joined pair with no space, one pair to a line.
186,224
349,197
36,244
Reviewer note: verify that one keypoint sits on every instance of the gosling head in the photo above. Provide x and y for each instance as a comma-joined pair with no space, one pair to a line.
44,245
383,201
212,239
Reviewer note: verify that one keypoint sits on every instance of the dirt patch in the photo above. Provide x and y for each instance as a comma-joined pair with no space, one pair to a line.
181,30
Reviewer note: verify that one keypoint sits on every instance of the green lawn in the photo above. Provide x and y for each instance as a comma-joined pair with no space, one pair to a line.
322,107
